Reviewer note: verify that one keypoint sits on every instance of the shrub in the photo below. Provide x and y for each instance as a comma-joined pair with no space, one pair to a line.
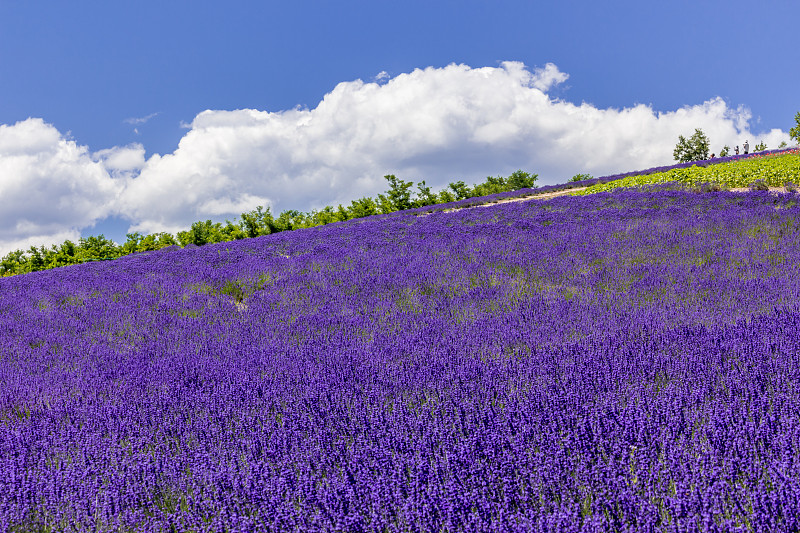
710,186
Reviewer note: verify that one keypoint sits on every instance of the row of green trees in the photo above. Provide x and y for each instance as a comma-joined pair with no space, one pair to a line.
697,147
400,195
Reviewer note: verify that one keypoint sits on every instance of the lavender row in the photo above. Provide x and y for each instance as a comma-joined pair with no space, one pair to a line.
622,361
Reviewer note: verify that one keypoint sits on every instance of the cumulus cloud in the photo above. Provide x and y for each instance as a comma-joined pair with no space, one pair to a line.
121,161
436,124
544,78
50,187
432,124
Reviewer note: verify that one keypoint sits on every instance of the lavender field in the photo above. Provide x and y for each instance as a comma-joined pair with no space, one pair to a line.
625,361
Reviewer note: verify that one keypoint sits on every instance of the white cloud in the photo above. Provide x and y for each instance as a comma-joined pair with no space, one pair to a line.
546,78
49,186
121,161
436,124
47,239
139,120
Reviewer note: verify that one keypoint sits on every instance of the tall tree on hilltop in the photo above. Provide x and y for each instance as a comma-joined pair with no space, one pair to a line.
695,148
794,133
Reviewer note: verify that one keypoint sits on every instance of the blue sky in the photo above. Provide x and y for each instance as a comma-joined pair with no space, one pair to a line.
125,83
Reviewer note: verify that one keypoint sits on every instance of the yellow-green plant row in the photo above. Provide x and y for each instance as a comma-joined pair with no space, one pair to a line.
776,171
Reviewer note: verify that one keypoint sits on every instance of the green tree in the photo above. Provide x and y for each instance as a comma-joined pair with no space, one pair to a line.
445,197
132,243
760,147
232,231
148,243
782,145
289,220
460,189
725,151
581,177
36,260
521,180
385,205
794,133
342,213
257,222
326,215
63,255
363,207
202,232
399,193
424,196
97,248
492,185
13,263
693,149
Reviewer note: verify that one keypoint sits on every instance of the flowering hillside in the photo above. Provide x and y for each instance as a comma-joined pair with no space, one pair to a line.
622,361
775,169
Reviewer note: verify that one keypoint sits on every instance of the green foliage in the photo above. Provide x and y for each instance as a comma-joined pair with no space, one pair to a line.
775,170
36,260
460,189
693,149
521,180
363,207
385,205
794,133
726,150
13,263
97,249
289,220
760,147
399,193
146,243
782,145
202,232
580,177
492,185
446,197
257,223
342,214
323,216
65,254
425,196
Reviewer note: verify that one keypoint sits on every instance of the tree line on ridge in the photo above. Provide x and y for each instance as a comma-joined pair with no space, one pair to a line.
260,221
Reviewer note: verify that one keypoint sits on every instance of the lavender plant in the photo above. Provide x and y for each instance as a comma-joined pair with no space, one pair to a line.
615,362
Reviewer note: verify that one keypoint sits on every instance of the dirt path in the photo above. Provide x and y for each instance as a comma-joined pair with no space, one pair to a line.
541,196
771,189
534,196
564,192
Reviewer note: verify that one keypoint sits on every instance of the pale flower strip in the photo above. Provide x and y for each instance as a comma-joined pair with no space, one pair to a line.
620,361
